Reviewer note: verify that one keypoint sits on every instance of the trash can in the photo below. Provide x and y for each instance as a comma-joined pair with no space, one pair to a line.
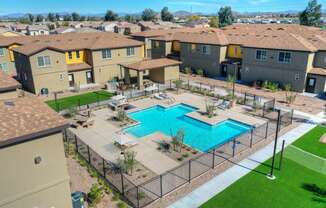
77,199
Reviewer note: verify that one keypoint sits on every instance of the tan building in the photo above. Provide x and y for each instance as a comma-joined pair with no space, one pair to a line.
8,87
287,54
73,60
34,172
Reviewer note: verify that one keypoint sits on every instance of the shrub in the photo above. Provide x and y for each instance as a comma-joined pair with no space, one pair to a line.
188,70
200,72
185,155
141,195
121,204
116,197
273,86
122,115
95,194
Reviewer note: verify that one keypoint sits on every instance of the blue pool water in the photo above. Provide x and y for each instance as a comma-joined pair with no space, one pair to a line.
198,135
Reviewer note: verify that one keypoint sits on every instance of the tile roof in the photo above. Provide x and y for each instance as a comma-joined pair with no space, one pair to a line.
25,118
78,67
7,82
318,71
151,64
69,41
270,36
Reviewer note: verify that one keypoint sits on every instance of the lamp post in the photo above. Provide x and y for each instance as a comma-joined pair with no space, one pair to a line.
271,174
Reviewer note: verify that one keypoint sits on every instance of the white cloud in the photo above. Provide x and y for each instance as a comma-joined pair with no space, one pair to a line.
257,2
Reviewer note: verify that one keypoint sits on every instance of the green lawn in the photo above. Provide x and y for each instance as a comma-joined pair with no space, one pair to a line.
294,186
83,99
310,142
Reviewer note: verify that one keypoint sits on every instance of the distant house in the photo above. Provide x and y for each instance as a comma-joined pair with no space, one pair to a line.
21,28
76,24
34,30
126,28
62,30
9,33
107,26
197,24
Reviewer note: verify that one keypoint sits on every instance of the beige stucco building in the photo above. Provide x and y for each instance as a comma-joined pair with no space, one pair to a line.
34,172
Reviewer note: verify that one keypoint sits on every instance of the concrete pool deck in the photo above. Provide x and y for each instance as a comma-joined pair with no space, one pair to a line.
216,185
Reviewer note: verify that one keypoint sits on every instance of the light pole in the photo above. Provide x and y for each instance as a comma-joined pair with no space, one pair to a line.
271,174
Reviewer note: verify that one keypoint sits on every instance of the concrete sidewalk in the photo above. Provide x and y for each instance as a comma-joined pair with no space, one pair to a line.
225,179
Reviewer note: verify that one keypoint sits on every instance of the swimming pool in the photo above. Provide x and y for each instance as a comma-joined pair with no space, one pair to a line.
198,134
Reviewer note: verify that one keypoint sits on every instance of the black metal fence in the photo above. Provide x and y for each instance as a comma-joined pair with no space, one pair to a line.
141,195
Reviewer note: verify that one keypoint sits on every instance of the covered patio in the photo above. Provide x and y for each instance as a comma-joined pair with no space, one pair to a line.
157,70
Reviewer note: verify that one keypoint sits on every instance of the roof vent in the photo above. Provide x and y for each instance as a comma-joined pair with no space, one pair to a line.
269,28
70,40
9,103
280,28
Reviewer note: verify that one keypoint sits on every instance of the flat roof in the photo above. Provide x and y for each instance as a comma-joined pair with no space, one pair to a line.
318,71
151,64
7,82
27,118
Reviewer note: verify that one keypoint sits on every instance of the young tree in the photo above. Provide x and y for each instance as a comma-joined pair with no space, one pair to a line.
51,17
39,18
75,16
67,17
178,84
111,16
225,16
166,15
193,18
311,15
30,17
213,22
57,16
148,15
129,18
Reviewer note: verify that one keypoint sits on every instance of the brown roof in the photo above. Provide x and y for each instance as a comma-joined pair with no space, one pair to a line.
69,41
151,64
318,71
25,118
78,67
7,82
269,36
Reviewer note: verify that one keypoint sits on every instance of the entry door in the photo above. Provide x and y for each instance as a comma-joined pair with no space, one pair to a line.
310,86
224,72
71,80
89,77
239,73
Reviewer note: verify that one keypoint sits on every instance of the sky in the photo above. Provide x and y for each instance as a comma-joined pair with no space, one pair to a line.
135,6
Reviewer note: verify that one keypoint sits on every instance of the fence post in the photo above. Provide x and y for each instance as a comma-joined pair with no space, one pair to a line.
213,160
170,84
189,171
233,147
161,186
266,133
292,112
122,185
79,104
199,86
76,143
264,106
104,169
188,85
89,155
245,98
281,156
251,136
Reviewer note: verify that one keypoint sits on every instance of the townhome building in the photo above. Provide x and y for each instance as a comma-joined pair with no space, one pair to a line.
286,54
61,62
34,171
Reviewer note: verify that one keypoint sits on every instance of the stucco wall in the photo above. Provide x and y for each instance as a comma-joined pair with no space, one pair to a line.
8,95
35,185
6,59
171,73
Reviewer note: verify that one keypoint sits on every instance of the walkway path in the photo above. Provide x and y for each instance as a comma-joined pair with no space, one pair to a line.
225,179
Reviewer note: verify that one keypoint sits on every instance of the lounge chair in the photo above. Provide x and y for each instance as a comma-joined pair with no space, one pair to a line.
118,101
224,105
161,96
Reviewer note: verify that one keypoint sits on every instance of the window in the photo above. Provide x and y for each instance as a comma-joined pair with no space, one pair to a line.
106,54
193,47
77,55
4,67
130,51
61,76
261,55
156,44
70,54
43,61
2,51
284,57
205,49
297,76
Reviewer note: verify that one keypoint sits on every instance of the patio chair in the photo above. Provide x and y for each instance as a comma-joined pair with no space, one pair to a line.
224,105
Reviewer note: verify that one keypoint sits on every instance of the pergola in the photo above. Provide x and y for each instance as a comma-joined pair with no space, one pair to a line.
160,70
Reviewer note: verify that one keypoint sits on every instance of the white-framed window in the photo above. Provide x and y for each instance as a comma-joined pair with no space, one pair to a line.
106,54
43,61
70,54
205,49
61,76
297,76
130,51
25,76
77,54
261,55
284,57
2,51
4,67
